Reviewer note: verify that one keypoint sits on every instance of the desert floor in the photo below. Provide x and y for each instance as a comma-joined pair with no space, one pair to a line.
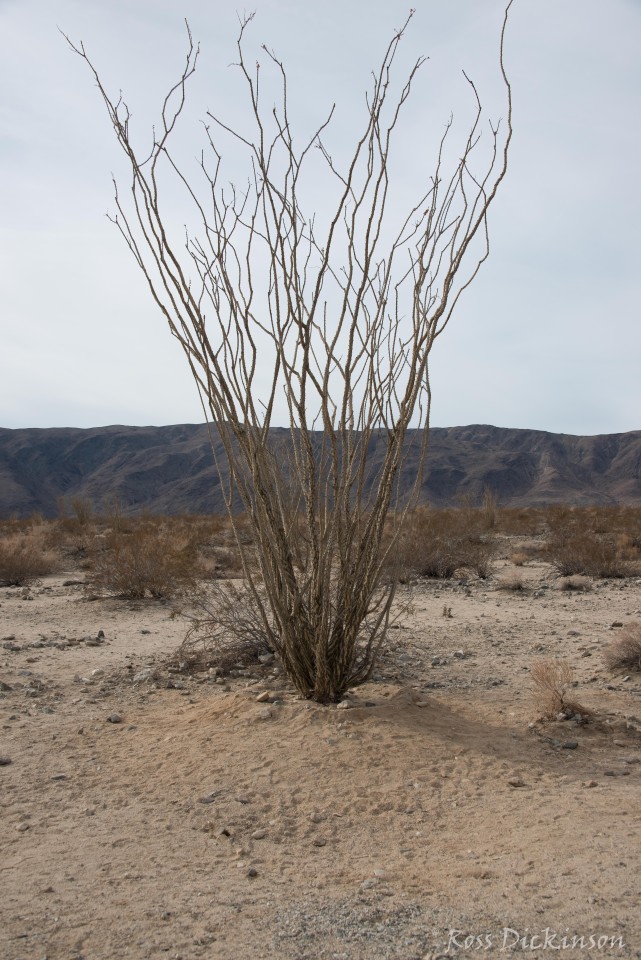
148,813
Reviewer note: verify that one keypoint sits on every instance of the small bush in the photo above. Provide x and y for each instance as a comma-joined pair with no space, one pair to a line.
24,558
552,680
438,543
624,654
579,584
150,560
513,582
519,559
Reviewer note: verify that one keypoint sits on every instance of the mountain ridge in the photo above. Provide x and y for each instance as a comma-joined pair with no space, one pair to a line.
170,469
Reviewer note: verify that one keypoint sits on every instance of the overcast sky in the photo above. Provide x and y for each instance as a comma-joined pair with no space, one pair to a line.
549,336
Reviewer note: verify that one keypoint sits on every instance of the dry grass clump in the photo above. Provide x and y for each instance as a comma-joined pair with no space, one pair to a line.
152,560
576,583
25,557
553,680
511,581
518,558
624,654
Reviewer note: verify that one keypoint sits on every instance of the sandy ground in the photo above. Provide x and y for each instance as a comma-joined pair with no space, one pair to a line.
431,817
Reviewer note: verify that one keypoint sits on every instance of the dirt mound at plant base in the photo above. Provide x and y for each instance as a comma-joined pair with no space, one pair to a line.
148,813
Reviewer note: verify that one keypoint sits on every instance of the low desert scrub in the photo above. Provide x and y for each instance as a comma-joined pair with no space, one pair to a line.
624,653
226,627
576,583
592,541
24,558
511,581
153,560
553,680
518,558
440,543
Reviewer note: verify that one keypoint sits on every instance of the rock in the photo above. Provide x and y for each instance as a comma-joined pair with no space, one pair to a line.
264,714
5,687
142,675
319,842
114,718
316,817
343,705
616,773
97,673
252,872
210,797
5,761
263,697
569,745
516,782
259,835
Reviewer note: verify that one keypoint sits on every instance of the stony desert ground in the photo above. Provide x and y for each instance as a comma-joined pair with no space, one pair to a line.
148,812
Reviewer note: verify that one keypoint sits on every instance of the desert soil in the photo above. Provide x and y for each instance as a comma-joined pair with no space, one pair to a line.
149,813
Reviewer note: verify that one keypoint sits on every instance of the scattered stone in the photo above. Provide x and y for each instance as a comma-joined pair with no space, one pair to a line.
5,761
615,624
210,796
114,718
259,835
569,745
264,714
97,673
616,773
343,705
22,827
263,697
316,817
590,784
252,872
5,687
143,675
319,842
58,776
145,632
223,832
516,782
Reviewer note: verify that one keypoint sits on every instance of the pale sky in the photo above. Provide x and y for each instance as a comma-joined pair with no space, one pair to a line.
549,335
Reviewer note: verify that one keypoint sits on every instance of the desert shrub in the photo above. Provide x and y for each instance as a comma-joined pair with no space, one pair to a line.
520,521
519,558
24,557
226,627
579,543
625,652
513,582
579,584
553,680
151,560
438,543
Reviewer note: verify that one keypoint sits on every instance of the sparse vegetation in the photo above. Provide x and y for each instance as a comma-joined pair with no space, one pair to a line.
624,653
553,681
25,557
149,561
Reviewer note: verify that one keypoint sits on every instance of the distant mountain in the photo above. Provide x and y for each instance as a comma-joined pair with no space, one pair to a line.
170,470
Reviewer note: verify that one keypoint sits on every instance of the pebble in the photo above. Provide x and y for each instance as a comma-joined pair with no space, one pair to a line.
252,872
516,782
319,842
263,697
5,761
22,827
114,718
569,745
259,835
264,714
